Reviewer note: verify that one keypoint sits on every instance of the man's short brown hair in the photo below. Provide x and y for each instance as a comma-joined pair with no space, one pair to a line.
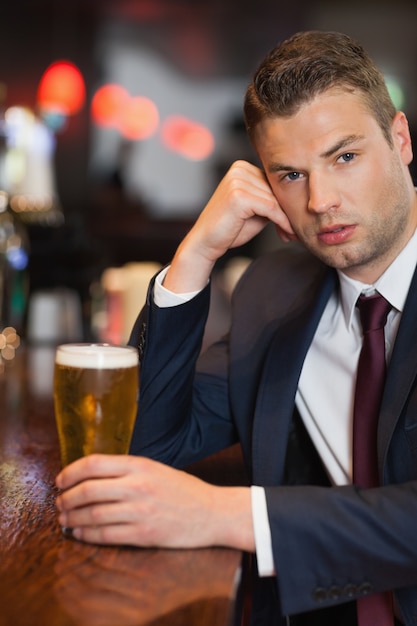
306,65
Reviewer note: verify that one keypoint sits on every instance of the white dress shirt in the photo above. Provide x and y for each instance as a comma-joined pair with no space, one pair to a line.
329,372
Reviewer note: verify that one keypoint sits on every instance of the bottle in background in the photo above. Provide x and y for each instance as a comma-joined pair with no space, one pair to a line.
14,259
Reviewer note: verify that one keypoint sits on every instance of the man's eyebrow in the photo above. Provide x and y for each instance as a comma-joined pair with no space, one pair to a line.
280,167
343,143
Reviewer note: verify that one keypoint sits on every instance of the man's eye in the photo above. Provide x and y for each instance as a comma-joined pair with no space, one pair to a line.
348,156
293,175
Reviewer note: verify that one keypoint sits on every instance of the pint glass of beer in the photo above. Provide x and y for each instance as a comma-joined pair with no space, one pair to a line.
95,397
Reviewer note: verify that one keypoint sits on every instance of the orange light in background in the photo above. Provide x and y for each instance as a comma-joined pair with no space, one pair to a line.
107,104
139,118
61,89
192,140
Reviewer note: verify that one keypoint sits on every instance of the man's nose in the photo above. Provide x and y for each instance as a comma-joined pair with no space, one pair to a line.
323,194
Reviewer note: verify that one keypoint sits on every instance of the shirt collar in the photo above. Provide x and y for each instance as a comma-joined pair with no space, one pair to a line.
393,284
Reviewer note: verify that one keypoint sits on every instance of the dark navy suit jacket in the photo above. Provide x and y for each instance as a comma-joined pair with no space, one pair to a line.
330,545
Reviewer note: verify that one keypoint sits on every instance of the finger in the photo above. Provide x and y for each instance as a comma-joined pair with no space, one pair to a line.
286,237
249,176
93,466
283,226
114,534
89,492
141,535
101,514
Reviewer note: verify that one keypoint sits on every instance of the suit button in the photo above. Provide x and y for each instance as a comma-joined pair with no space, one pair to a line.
319,594
335,593
365,589
350,591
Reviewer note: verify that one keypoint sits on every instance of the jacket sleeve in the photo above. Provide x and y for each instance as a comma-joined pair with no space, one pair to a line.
335,544
182,415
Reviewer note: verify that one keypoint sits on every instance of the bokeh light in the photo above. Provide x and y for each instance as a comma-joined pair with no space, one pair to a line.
395,91
61,89
135,117
139,118
107,104
188,138
9,342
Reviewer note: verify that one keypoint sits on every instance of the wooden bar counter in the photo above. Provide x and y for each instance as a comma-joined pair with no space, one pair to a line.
47,579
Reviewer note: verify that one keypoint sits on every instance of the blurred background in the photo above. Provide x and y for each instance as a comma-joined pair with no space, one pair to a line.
117,120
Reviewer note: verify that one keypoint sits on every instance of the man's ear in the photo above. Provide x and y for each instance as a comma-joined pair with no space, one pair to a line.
401,137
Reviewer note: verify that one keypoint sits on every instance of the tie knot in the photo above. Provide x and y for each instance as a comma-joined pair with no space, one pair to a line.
373,312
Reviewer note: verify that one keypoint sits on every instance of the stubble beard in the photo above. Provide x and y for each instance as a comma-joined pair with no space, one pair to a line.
386,234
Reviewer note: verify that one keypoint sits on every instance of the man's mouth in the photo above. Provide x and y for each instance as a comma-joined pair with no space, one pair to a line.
336,235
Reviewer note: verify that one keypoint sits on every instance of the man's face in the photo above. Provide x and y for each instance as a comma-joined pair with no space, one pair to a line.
347,192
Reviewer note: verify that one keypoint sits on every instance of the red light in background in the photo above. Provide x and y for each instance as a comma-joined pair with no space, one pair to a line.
192,140
107,104
134,117
139,118
61,89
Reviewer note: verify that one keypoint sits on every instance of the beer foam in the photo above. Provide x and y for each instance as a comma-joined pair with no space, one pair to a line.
96,355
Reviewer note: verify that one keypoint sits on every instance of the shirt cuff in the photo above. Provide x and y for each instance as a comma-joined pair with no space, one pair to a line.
262,531
165,298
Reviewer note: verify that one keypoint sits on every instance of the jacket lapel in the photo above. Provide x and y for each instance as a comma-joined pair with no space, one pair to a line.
401,374
281,371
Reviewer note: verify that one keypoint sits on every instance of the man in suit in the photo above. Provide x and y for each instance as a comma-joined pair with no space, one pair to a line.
335,178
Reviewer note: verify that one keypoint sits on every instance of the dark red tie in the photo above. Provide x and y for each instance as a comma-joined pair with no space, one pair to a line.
375,609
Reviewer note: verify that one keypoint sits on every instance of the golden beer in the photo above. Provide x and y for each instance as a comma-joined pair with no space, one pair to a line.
95,396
